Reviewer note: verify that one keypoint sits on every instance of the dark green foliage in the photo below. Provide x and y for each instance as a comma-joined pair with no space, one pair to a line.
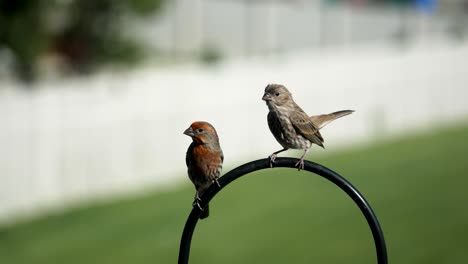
85,34
22,31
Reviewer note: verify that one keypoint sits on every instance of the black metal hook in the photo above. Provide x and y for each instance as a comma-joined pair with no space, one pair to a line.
315,168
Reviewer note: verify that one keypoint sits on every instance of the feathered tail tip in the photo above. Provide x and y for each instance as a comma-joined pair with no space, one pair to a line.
342,113
322,120
205,213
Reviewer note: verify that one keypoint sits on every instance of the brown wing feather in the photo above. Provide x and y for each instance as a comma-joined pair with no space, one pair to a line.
303,124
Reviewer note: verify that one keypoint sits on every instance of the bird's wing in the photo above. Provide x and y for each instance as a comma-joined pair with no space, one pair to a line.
323,120
304,125
219,167
189,159
189,154
275,126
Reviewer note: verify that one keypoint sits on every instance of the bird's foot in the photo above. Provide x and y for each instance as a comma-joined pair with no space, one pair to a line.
215,180
196,203
300,164
272,158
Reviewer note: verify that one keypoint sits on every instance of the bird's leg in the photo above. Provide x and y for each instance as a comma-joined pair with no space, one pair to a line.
273,156
196,201
300,163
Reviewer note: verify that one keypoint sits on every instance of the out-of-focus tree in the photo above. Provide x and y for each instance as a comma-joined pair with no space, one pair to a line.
83,34
22,32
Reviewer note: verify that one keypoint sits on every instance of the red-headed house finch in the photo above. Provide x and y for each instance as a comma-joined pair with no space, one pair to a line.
204,160
290,125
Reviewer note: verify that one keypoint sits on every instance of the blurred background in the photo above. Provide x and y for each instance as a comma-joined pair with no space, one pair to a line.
95,95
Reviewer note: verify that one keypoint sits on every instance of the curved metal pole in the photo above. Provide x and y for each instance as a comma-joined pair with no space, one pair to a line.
328,174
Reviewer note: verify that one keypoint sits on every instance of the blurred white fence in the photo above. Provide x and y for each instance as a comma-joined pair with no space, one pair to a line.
233,27
75,139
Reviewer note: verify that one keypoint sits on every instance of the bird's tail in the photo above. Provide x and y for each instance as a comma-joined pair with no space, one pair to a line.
322,120
206,212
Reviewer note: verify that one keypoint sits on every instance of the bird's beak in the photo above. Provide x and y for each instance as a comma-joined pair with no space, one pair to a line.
189,132
266,97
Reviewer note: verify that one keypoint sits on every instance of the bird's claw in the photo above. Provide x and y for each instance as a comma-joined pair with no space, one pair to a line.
197,203
300,164
215,180
272,159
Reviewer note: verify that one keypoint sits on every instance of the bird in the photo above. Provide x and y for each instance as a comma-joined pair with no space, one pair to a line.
291,126
204,160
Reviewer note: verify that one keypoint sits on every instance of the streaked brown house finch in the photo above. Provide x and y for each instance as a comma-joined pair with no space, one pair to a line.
290,125
204,160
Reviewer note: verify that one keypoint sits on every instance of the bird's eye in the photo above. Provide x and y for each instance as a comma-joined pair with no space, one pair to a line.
277,94
199,130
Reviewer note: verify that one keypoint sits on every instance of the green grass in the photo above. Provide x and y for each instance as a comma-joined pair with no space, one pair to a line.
416,186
